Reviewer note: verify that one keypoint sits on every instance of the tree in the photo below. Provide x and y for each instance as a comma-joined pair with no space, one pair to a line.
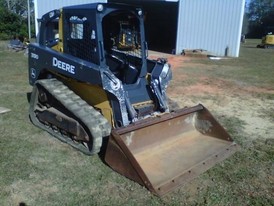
260,15
18,7
13,18
10,24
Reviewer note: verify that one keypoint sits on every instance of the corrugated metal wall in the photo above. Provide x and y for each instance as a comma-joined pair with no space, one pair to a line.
42,6
212,25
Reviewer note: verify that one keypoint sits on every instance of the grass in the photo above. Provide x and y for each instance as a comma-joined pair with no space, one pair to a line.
254,66
37,169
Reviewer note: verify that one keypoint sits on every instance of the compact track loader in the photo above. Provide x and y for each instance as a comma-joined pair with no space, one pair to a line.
93,85
268,38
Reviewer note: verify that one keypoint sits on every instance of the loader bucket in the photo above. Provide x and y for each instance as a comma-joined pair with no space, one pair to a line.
163,152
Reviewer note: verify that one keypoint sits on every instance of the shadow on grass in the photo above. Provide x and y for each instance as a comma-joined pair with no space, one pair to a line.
103,150
235,127
28,96
251,47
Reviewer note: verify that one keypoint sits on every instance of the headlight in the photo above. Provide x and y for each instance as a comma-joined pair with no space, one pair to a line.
100,7
165,71
51,14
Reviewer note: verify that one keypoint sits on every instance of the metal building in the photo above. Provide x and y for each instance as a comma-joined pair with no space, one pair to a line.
176,25
212,25
41,6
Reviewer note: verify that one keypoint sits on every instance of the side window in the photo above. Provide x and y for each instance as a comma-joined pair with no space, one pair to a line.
77,27
81,38
52,35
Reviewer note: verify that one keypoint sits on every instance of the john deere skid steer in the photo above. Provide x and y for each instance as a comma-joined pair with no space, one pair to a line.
93,84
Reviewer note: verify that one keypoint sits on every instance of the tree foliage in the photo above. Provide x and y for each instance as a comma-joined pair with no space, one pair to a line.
260,15
10,24
13,18
16,6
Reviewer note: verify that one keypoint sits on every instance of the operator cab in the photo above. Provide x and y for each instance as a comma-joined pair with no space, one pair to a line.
122,45
116,43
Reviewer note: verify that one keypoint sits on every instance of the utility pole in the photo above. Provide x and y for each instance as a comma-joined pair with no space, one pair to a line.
29,20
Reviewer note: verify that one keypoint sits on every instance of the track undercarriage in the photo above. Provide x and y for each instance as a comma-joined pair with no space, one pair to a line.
59,111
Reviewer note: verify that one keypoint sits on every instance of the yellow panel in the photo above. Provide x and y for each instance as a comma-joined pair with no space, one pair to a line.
59,46
269,39
93,95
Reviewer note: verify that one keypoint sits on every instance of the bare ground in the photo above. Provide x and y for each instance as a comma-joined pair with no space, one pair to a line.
224,97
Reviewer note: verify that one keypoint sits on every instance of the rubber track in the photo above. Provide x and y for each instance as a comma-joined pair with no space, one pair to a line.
94,121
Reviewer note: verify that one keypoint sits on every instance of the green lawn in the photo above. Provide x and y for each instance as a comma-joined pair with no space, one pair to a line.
37,169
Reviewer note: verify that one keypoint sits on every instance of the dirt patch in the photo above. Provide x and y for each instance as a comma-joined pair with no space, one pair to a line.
232,99
196,89
19,192
177,60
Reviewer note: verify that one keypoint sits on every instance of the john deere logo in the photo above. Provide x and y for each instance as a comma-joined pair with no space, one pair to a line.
63,65
33,73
